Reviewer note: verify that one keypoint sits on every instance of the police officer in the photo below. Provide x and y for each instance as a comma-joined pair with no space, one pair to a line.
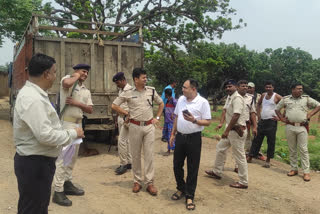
250,112
75,99
234,135
123,142
141,126
296,117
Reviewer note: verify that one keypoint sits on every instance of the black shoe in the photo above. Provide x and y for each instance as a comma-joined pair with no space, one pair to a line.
129,166
121,170
70,189
61,199
117,169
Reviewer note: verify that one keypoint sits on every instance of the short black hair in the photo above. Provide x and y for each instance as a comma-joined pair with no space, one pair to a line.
294,85
269,82
39,63
168,92
193,83
137,72
242,82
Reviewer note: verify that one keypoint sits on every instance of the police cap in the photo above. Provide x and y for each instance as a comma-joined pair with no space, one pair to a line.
230,82
82,66
118,76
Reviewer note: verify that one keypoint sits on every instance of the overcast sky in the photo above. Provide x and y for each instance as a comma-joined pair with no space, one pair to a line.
270,24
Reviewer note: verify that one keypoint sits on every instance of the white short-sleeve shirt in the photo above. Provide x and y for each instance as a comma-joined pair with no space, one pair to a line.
199,107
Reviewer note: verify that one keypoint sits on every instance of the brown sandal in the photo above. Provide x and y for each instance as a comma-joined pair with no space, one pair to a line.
238,186
292,173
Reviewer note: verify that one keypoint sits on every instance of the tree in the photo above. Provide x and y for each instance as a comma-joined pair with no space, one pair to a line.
167,23
14,17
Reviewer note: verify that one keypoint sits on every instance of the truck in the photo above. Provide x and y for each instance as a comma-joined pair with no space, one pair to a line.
108,52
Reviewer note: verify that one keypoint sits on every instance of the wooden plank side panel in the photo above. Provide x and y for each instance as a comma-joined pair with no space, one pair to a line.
138,57
93,62
70,50
131,58
98,71
85,57
110,67
52,49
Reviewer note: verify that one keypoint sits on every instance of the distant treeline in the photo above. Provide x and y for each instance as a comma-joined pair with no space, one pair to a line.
211,64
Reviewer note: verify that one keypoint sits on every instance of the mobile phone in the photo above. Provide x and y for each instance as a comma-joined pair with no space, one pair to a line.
186,112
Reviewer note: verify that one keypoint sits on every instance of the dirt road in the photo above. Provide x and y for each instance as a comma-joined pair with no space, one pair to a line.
270,190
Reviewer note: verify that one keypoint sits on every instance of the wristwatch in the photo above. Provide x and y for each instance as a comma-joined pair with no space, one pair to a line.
158,118
195,121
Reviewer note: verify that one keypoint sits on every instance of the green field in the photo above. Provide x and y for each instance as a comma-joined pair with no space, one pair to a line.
282,150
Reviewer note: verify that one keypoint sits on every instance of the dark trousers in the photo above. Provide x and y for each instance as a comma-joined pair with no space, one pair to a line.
189,146
34,175
266,128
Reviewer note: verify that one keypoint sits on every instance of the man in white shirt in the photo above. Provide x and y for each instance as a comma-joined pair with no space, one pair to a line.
192,114
38,137
267,123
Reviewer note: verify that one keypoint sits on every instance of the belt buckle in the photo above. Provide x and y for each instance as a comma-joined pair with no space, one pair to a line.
296,124
142,123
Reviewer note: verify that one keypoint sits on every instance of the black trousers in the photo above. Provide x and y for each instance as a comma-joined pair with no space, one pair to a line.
34,175
266,128
187,146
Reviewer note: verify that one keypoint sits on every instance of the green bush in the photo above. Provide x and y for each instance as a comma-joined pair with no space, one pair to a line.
313,132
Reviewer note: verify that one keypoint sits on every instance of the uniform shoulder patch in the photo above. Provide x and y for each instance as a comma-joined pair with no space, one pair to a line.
128,88
150,87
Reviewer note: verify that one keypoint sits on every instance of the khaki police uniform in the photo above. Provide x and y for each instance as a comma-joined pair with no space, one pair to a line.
123,141
140,136
71,118
249,108
297,136
235,104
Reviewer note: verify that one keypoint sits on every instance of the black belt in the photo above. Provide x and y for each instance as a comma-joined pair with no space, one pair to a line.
188,135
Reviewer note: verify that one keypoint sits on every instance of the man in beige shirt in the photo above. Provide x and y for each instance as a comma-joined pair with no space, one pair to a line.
123,141
296,117
234,135
75,99
141,126
38,137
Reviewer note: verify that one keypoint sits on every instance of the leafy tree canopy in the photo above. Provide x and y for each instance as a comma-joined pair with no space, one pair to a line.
15,16
167,24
